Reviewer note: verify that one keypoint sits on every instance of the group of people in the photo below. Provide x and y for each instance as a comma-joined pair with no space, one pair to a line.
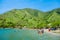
52,29
41,31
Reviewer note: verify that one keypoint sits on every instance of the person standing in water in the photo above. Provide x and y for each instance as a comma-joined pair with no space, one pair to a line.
39,31
49,29
42,30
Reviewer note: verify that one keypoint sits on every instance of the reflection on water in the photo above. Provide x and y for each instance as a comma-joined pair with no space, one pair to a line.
20,34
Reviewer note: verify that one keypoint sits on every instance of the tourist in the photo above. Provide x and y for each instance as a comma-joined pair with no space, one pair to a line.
49,29
39,31
42,30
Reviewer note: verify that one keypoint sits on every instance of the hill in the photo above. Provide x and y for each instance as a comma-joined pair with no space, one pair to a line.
31,18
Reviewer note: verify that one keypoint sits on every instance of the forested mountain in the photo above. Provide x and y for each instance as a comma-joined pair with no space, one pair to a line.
31,18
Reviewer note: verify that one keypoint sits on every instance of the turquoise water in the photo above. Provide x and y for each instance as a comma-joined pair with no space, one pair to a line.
21,34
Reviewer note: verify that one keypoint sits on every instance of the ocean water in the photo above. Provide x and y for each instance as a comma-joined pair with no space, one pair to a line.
23,34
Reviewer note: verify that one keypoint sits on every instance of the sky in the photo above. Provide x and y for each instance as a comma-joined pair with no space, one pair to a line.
43,5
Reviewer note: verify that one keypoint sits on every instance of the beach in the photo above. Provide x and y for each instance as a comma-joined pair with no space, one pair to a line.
53,32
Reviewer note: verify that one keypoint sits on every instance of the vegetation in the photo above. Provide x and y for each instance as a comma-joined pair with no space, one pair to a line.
31,18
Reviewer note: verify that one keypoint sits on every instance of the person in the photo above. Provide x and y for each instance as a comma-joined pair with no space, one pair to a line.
39,31
42,30
49,29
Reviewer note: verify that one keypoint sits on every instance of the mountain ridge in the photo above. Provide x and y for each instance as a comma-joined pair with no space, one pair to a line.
31,18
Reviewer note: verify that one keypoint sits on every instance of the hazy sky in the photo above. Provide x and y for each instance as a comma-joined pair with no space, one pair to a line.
44,5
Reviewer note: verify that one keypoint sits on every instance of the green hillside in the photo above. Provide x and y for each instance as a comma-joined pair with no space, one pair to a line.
31,18
54,17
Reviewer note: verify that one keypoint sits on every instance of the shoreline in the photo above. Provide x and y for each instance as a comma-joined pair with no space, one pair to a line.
45,30
52,33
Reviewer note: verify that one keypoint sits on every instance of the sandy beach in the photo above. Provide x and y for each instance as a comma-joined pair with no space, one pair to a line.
52,32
